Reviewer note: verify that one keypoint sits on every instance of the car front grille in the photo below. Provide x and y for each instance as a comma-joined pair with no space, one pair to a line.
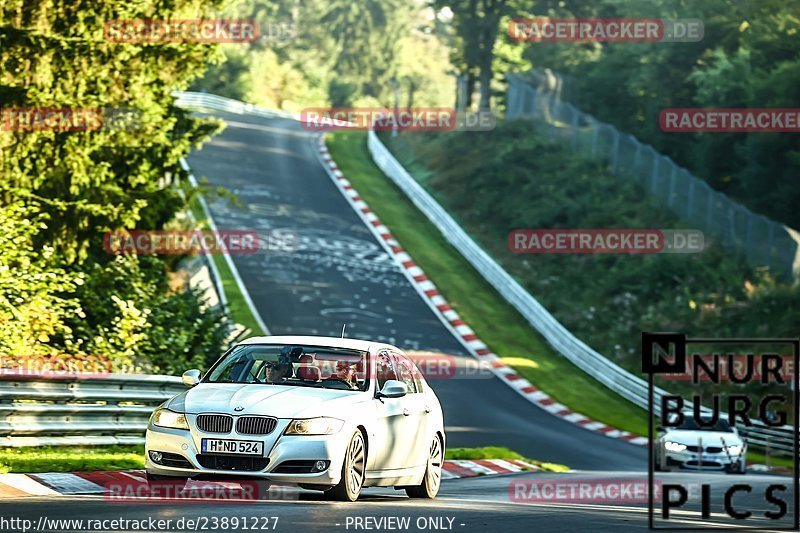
298,467
256,425
706,464
232,462
706,449
175,460
215,423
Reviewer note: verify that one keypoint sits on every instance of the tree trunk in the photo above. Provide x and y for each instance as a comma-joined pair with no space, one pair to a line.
486,89
470,88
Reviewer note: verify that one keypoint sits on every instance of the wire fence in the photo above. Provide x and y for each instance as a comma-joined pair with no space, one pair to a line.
762,241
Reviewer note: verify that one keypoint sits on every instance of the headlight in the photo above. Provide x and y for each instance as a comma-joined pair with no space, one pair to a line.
674,446
735,450
314,426
169,419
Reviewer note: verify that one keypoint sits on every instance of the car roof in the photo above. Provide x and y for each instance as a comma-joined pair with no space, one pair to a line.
314,340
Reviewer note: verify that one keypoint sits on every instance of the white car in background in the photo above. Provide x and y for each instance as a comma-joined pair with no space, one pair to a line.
719,447
326,413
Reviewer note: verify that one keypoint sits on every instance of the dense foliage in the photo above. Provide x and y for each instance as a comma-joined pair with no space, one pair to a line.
60,293
749,57
336,52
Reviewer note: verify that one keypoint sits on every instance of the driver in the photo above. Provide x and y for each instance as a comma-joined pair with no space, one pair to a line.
346,372
283,369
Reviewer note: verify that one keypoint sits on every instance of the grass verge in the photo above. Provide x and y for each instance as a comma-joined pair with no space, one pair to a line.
239,311
499,452
70,458
493,319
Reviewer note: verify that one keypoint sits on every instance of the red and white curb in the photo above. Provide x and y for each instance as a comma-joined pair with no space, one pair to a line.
451,319
93,483
484,467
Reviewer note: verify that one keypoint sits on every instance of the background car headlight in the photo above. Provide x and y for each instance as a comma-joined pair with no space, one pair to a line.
735,450
170,419
674,446
314,426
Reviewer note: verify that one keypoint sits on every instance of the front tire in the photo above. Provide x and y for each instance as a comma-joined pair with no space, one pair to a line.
432,479
354,471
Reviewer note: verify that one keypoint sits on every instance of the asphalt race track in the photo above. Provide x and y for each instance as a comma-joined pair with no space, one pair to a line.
468,505
338,273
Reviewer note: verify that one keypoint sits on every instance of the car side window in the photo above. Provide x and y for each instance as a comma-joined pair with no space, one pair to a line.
384,368
405,370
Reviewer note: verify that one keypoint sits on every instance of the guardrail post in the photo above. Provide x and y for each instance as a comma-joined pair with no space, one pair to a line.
709,207
767,452
700,453
615,151
690,199
672,185
636,156
574,128
654,171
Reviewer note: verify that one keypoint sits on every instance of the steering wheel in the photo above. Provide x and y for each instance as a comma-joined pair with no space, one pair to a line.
335,379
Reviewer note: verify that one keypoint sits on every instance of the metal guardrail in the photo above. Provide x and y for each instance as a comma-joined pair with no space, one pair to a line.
79,409
220,103
616,378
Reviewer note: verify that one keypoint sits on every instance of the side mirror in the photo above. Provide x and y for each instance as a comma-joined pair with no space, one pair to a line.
393,389
191,377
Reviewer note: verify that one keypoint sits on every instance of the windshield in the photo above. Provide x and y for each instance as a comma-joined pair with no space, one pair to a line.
690,423
294,365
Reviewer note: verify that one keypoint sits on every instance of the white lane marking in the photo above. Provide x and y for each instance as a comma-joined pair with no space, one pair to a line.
465,330
234,271
475,467
449,475
505,464
451,315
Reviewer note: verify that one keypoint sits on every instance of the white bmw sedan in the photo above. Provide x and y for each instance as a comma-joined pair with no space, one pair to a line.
328,414
715,446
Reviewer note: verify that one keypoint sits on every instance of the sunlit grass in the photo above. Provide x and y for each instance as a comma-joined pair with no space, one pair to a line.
70,458
238,309
499,452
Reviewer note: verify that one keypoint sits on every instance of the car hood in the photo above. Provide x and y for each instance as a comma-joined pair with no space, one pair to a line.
269,400
710,438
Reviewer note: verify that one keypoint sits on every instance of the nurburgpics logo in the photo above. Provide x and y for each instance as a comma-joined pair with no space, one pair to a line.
731,397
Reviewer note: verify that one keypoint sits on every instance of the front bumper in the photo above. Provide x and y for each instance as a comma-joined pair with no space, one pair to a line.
278,448
704,461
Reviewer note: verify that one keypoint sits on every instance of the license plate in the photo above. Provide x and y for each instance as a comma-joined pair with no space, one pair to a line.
235,447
